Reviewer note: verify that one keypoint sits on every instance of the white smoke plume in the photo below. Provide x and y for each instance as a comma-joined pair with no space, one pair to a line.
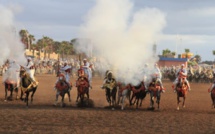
11,47
123,38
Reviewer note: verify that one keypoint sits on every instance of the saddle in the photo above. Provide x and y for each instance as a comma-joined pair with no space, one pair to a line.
61,85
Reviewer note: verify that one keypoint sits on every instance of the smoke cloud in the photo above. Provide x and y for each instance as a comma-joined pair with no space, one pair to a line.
122,38
11,46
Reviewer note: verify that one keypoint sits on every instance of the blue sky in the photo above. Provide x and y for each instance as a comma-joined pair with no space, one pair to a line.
189,23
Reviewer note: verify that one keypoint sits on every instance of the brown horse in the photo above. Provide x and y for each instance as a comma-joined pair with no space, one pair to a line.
62,88
213,98
181,89
212,92
155,93
123,93
83,86
139,93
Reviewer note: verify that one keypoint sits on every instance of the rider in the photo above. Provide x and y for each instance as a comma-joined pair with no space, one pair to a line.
87,71
182,72
30,68
66,69
157,74
212,87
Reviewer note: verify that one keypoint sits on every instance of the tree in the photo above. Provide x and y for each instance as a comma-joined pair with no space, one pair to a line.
168,53
187,51
24,38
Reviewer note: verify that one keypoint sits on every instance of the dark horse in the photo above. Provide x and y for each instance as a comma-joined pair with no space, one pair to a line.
28,85
139,92
181,89
212,92
82,85
10,86
155,92
110,87
213,98
62,88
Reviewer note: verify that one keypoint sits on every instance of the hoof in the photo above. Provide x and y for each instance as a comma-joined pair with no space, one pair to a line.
113,109
184,106
177,108
5,100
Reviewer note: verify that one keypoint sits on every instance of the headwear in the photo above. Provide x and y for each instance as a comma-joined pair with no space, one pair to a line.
182,65
84,59
29,58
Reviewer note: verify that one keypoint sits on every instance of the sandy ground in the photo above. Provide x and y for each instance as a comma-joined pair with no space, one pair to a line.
43,117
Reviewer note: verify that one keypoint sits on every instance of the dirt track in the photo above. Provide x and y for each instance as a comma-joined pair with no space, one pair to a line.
43,117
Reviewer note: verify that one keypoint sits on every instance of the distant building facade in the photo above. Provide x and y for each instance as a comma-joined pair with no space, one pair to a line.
168,62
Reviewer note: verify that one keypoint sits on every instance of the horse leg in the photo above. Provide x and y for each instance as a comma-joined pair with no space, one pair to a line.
68,92
26,99
16,90
184,98
132,97
56,100
178,101
32,95
137,104
122,102
5,93
21,96
62,100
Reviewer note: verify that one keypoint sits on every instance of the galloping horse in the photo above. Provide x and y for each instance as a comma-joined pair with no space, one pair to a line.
11,82
181,89
213,98
155,92
212,95
82,85
28,85
62,88
10,86
123,93
139,92
110,87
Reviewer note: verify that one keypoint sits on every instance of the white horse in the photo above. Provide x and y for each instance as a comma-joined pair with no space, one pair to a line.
123,93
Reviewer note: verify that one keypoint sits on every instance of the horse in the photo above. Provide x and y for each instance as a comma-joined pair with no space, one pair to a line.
139,92
155,92
212,94
28,85
123,93
10,86
83,86
62,88
110,87
181,90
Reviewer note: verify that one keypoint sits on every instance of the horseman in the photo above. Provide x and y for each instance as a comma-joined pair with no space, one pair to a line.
66,70
181,74
157,75
87,71
30,69
212,87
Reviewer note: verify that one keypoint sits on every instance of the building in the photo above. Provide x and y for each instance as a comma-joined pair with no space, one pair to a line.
168,62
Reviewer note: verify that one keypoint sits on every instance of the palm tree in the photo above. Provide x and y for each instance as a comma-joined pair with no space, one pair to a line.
31,40
198,58
187,51
24,38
